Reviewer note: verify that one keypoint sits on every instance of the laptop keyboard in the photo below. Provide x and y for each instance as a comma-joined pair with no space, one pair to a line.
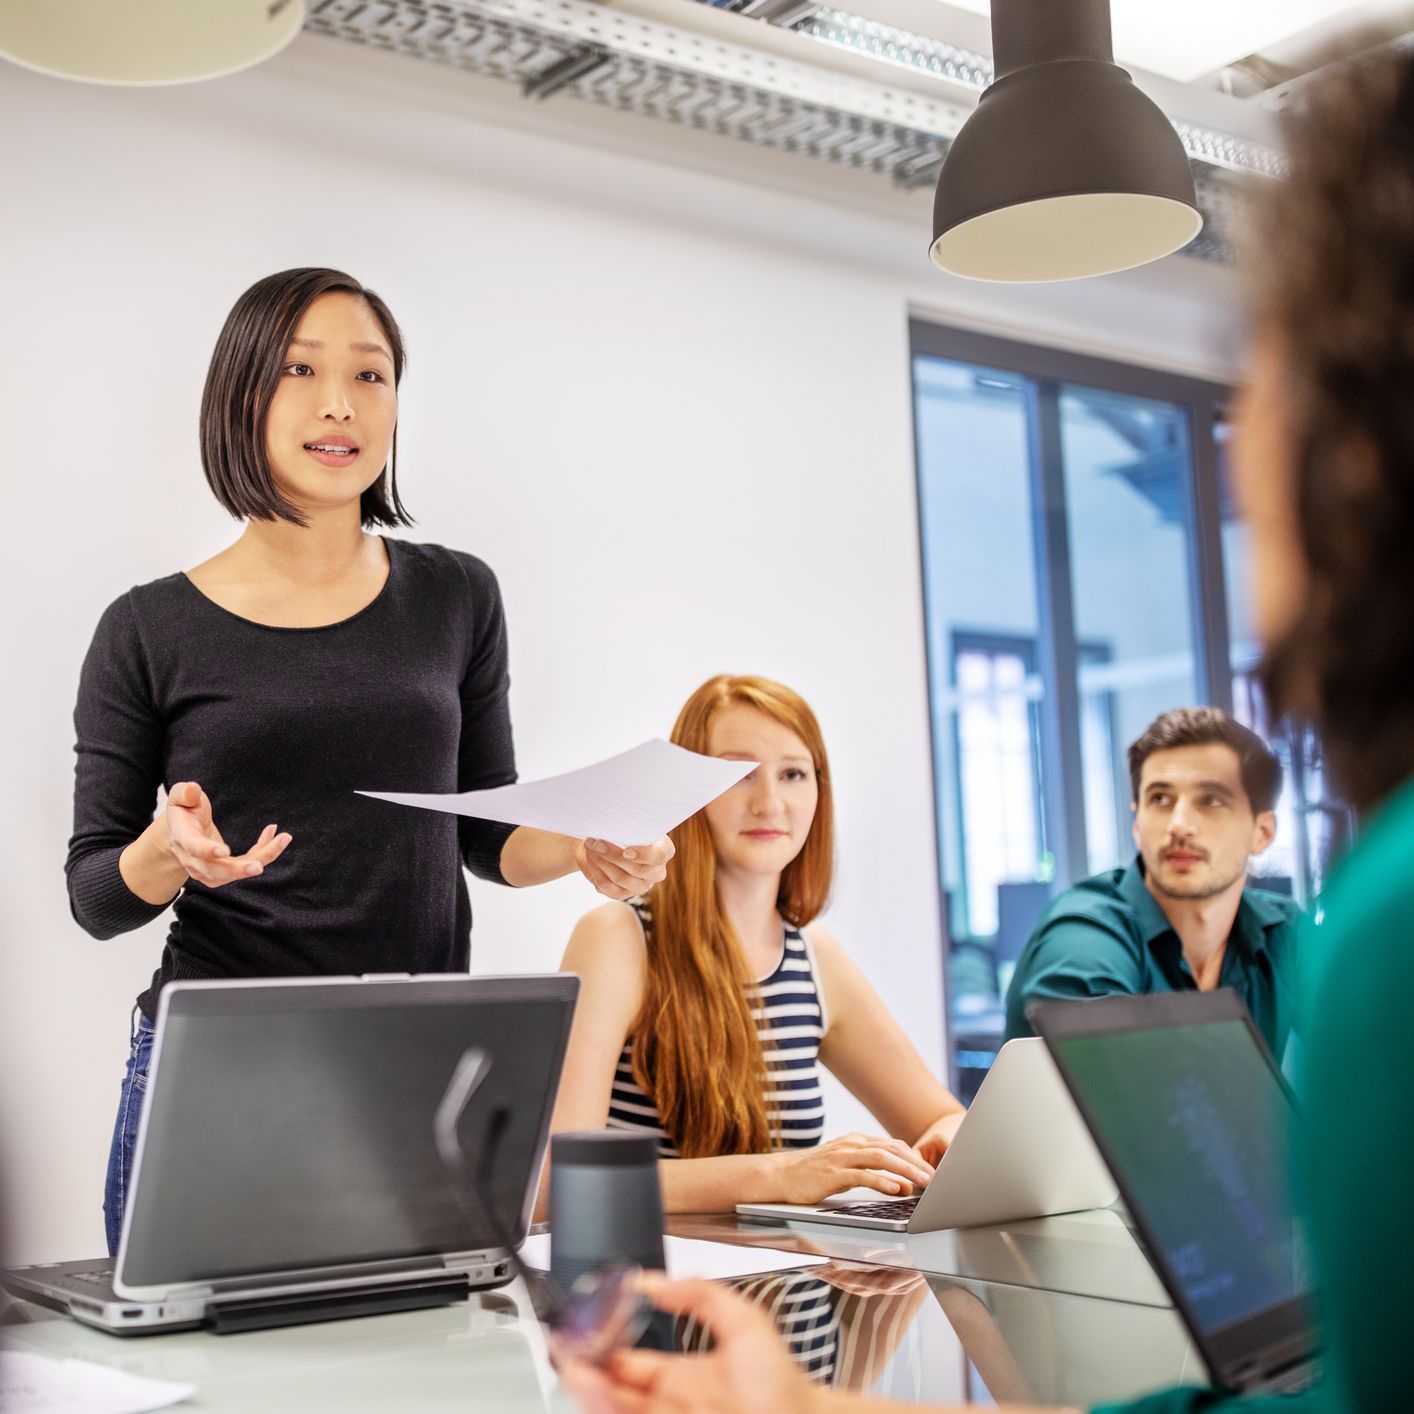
895,1208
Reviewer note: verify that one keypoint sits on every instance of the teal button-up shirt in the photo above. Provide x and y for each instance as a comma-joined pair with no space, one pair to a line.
1108,936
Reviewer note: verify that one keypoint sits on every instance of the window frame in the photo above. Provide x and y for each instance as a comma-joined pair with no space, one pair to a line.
993,643
1047,370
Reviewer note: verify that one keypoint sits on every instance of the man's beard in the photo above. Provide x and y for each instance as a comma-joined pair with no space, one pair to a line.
1196,892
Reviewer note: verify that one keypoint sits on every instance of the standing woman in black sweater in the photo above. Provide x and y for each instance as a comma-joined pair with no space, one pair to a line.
266,686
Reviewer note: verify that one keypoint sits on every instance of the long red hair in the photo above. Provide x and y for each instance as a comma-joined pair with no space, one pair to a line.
695,1047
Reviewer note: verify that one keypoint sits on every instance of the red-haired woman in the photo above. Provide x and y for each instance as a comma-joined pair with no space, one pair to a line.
709,1005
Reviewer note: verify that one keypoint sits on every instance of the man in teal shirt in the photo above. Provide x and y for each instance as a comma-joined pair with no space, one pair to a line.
1182,916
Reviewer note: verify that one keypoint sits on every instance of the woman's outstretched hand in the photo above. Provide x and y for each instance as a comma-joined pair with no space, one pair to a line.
196,843
624,873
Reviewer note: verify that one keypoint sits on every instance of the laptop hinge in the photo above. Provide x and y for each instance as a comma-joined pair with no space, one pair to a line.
233,1317
332,1278
477,1257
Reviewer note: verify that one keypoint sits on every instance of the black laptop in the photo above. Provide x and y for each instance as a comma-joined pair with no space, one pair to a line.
1194,1118
286,1170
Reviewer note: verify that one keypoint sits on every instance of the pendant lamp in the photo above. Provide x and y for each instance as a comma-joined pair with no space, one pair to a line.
1065,169
145,41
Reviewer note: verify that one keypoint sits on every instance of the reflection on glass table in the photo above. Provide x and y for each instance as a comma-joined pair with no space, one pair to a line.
841,1324
1027,1346
1093,1253
876,1330
873,1328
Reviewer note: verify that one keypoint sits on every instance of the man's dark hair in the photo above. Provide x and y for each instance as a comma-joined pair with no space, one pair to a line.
1335,289
1207,726
240,385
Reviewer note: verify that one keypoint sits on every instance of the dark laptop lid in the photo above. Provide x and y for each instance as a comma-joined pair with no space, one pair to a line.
288,1124
1194,1119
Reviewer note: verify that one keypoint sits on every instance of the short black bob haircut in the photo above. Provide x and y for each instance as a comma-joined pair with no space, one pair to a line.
240,385
1208,726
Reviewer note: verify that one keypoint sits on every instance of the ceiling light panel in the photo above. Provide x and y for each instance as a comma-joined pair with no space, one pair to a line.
1189,40
970,69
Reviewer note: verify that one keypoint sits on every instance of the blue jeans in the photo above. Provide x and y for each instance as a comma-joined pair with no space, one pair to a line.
120,1155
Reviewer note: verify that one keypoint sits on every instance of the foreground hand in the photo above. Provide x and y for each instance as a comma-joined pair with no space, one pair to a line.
933,1142
196,843
624,873
853,1161
748,1371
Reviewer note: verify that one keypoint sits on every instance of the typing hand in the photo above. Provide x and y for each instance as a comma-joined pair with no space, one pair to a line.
933,1142
196,843
853,1161
624,873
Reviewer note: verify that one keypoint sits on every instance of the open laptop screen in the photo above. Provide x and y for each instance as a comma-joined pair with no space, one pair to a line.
1195,1123
289,1125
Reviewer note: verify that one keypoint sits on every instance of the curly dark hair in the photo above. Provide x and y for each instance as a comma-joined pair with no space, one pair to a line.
1335,288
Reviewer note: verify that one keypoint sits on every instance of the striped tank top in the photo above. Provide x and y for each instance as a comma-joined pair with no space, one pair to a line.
839,1338
790,1022
802,1308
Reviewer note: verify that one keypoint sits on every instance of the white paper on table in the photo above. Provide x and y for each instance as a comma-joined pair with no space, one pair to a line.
632,798
690,1257
39,1384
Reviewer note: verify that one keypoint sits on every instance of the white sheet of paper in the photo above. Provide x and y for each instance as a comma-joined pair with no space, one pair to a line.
689,1257
39,1384
632,798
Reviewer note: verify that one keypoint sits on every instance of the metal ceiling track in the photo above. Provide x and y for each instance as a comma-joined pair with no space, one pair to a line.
637,65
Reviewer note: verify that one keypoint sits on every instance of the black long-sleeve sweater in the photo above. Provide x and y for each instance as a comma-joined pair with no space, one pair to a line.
285,725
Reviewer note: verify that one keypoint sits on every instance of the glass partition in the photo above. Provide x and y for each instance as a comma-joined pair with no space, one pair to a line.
1127,473
1077,544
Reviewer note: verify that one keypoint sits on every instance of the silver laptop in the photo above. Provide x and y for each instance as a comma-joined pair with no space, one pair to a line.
285,1168
1022,1152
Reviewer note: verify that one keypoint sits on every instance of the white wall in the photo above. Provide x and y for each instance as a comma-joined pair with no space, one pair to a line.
669,406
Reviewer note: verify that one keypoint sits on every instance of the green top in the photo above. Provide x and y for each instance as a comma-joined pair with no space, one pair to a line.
1108,936
1354,1159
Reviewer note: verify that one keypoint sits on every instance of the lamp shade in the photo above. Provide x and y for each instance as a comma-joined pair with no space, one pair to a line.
145,41
1064,170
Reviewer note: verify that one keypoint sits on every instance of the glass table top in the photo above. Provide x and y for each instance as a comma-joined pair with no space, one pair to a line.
888,1328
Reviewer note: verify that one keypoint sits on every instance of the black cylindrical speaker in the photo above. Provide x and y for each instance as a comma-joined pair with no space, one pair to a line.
606,1207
